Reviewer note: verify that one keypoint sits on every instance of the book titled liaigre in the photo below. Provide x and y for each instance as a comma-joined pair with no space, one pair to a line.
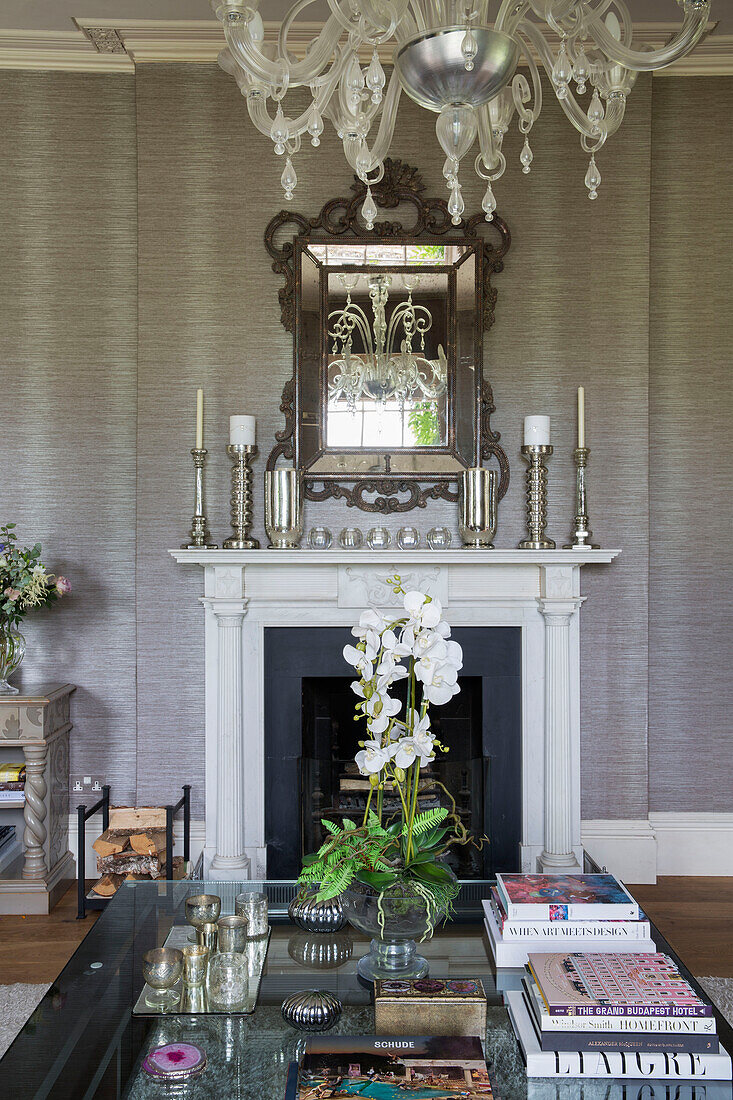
614,984
565,897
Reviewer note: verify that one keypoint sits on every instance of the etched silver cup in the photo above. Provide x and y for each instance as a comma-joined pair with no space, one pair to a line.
232,934
477,508
284,508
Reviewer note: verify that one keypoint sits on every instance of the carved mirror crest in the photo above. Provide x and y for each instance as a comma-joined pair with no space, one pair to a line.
387,403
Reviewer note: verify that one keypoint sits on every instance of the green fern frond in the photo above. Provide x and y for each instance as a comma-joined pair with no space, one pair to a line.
425,821
333,829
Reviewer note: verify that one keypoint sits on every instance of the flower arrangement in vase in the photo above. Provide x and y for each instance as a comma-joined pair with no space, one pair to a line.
25,583
389,872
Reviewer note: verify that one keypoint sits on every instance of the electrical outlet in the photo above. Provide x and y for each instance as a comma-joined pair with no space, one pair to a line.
87,784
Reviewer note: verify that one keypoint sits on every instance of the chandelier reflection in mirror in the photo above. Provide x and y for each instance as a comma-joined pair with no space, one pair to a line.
387,366
450,59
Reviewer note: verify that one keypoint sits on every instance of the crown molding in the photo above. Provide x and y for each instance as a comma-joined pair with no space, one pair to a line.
119,45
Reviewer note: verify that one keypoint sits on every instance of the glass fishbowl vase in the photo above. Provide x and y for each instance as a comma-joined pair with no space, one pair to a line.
12,651
396,920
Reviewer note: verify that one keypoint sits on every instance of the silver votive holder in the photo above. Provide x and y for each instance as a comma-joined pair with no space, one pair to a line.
478,508
408,538
203,909
227,983
195,962
162,967
199,539
536,488
253,906
284,508
207,935
232,933
240,499
582,535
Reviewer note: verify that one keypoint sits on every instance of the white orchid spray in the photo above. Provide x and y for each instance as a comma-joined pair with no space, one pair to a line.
414,645
411,644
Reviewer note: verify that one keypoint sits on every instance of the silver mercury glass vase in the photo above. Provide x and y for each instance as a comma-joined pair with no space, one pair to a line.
316,916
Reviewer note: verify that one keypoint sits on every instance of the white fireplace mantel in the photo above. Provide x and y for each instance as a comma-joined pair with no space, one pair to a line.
246,591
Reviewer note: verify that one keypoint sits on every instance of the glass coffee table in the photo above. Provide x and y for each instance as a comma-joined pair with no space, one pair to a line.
84,1043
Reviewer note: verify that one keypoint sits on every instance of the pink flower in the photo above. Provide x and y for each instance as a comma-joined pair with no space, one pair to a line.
12,593
63,586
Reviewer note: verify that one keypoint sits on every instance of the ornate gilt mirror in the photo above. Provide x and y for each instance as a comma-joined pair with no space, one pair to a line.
387,403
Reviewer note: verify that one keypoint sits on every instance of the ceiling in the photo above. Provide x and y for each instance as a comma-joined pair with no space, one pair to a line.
57,15
116,35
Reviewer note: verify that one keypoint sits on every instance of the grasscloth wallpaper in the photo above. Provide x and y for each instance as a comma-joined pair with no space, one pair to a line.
134,271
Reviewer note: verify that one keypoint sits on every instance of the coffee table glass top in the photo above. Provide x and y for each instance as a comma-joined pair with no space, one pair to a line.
83,1042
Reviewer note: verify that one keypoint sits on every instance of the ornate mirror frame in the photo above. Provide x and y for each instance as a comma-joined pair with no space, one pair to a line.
340,220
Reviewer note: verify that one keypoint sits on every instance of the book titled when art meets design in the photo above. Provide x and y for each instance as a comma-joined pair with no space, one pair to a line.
614,984
524,929
565,897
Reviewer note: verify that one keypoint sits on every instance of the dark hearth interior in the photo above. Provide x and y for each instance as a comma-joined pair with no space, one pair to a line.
311,738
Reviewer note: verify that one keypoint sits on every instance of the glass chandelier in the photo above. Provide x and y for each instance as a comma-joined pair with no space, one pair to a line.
382,372
453,59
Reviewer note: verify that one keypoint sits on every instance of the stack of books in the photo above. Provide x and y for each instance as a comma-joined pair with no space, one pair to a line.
579,912
614,1015
12,782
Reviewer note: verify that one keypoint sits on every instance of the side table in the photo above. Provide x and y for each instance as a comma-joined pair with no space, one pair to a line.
37,723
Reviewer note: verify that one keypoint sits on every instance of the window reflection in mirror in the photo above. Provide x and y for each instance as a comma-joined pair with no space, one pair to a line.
388,374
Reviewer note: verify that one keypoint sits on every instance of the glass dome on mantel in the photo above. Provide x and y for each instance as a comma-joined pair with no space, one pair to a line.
456,59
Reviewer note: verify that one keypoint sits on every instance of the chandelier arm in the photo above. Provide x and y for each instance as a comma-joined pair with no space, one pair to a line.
510,15
489,152
253,61
569,104
693,27
260,116
385,133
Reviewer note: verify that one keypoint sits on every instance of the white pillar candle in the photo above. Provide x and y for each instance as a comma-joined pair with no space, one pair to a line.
199,419
537,430
581,416
242,430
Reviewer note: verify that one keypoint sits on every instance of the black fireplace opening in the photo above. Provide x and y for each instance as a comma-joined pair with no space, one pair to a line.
311,738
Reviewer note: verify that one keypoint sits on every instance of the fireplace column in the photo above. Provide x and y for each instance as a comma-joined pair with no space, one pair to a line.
230,858
559,605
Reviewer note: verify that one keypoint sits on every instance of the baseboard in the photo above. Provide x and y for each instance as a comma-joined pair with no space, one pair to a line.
662,844
626,848
94,828
693,844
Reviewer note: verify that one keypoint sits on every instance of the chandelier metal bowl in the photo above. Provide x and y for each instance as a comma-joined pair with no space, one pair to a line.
450,59
432,68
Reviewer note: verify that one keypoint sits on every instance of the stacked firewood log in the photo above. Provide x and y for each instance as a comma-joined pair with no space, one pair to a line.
133,848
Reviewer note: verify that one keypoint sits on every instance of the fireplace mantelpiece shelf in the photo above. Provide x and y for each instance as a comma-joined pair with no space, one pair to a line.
245,591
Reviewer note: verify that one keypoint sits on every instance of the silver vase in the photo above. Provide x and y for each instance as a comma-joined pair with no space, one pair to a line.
477,508
284,508
12,651
316,916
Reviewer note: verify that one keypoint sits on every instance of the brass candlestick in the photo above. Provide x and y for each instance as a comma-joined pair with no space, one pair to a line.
582,533
535,454
241,497
200,537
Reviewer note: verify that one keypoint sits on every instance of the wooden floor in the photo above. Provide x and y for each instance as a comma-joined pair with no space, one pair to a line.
36,949
695,915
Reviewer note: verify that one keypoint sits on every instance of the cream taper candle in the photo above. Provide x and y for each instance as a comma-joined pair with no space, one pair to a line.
581,416
537,430
242,430
199,419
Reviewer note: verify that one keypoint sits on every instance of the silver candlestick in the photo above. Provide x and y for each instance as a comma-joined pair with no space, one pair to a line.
241,497
535,454
582,533
200,537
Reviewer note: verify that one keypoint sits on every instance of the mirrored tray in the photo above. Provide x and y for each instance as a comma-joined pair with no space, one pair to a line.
192,1000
